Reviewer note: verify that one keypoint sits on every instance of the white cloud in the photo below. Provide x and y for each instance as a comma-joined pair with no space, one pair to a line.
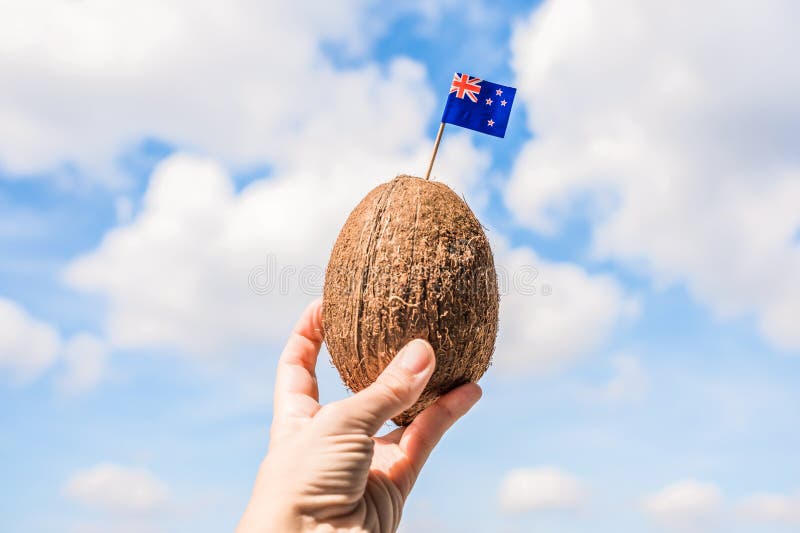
771,508
180,273
239,79
247,82
123,208
175,273
552,313
117,489
629,382
685,504
27,346
680,134
85,356
540,489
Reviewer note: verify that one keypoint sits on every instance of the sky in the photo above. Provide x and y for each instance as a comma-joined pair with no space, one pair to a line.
173,176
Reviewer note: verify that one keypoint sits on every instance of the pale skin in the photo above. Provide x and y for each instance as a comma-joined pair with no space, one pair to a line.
326,470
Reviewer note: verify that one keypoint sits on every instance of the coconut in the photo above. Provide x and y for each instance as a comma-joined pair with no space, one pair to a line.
411,261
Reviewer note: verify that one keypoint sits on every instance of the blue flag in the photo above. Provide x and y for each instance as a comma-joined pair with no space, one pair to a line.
479,105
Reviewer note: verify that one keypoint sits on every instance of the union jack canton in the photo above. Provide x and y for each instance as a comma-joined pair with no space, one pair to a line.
479,105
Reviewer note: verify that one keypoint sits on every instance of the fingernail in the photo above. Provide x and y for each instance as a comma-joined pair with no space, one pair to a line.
415,356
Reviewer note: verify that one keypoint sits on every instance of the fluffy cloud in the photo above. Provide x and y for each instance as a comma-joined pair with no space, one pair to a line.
27,345
240,79
117,489
684,504
203,268
692,505
176,273
179,273
551,313
85,357
772,508
679,134
629,382
540,489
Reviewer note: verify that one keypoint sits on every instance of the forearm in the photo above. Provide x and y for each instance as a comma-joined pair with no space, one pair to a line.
268,517
268,511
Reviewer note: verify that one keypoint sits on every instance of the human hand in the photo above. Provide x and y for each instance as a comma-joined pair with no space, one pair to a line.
325,469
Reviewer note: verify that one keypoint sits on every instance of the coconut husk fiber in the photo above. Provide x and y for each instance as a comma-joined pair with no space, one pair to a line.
411,261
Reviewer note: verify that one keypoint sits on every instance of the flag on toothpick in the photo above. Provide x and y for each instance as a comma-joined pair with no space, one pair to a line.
476,104
479,105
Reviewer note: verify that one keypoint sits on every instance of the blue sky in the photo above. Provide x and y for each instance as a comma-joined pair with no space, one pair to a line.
152,155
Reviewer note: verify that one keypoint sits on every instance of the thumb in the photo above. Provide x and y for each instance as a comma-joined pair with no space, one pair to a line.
395,390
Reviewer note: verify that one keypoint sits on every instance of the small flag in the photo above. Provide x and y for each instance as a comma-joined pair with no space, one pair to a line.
479,105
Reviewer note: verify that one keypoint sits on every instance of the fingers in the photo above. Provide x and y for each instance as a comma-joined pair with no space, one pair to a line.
296,391
395,390
393,437
419,438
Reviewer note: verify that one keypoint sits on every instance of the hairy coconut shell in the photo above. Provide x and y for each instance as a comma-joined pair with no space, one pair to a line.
411,261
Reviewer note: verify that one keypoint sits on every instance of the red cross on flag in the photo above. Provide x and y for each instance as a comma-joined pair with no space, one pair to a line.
464,85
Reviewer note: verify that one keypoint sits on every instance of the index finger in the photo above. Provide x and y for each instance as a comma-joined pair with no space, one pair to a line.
296,391
419,438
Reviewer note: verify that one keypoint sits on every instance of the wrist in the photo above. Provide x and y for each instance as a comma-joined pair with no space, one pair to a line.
262,517
270,507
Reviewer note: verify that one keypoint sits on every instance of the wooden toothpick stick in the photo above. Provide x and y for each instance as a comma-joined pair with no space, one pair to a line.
435,149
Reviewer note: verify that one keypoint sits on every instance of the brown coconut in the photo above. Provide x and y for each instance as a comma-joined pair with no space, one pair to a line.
412,261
